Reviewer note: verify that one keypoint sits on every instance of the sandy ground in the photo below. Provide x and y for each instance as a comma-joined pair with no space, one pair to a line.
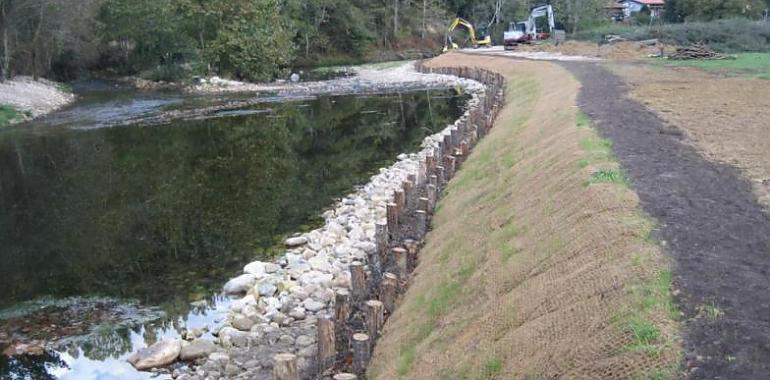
724,118
366,79
34,97
575,51
530,272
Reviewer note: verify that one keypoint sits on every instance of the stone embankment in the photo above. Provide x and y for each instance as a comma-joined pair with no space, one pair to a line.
316,312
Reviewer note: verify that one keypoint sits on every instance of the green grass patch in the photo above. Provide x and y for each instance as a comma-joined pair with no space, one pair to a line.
8,114
746,64
646,334
406,360
491,370
710,311
583,120
607,176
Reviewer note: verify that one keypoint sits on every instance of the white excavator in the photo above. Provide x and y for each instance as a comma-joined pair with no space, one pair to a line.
526,31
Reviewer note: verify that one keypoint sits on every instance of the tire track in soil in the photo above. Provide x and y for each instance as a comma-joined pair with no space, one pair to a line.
712,225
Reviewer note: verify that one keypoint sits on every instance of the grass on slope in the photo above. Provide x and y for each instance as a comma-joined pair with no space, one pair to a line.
508,283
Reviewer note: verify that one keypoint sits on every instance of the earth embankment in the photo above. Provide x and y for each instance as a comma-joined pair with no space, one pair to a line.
540,263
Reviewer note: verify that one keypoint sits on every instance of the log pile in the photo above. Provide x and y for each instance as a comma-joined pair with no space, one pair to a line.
697,51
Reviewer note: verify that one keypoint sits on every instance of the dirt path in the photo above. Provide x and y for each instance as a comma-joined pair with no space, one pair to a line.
711,223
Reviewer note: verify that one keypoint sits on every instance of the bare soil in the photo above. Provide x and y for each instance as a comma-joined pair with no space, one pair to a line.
530,272
725,118
619,51
711,222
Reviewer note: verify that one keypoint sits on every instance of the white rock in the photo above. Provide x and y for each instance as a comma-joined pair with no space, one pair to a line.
271,268
313,305
320,263
266,289
158,355
240,284
256,268
296,241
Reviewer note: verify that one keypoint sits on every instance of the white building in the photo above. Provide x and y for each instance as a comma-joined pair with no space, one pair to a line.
632,6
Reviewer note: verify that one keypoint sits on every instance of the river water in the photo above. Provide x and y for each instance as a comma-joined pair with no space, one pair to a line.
114,237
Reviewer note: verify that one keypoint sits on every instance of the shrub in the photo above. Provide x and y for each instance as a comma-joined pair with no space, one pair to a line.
731,35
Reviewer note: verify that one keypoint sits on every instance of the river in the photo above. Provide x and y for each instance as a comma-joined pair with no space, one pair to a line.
112,237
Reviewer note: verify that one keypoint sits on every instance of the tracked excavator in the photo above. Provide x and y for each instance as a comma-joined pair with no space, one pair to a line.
526,31
477,39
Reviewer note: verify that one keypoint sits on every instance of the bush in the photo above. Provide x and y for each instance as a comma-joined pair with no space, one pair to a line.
730,36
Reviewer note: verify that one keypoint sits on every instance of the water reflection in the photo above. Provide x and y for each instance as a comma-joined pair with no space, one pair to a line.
164,214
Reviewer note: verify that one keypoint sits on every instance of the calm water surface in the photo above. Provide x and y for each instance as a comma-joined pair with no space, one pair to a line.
121,229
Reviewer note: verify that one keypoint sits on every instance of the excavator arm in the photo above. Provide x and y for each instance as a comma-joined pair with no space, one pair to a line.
461,22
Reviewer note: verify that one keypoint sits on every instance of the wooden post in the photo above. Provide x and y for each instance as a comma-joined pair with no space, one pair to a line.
358,281
285,367
422,204
345,376
326,343
421,170
341,316
374,317
432,195
381,238
399,255
441,174
451,164
361,353
389,291
464,150
447,145
421,223
408,186
392,214
399,200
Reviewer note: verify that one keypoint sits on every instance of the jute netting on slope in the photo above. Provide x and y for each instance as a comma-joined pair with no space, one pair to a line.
534,270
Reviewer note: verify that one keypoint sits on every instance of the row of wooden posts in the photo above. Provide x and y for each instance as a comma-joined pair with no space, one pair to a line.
346,338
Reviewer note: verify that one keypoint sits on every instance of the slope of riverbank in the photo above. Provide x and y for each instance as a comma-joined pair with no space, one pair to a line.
30,98
540,263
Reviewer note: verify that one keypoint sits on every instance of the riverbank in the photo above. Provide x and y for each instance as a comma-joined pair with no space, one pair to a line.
540,262
370,78
285,298
31,99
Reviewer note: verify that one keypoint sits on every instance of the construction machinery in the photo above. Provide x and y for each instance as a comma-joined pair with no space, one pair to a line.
526,31
477,39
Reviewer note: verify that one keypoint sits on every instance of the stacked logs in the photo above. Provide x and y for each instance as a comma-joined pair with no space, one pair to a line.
697,51
347,337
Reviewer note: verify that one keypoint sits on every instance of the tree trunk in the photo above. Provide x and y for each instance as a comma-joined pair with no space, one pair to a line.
6,57
424,6
395,19
35,42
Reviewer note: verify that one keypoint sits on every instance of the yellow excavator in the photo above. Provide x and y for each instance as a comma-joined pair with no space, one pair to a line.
481,38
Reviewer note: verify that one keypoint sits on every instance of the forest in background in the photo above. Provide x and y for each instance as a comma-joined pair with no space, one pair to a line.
263,39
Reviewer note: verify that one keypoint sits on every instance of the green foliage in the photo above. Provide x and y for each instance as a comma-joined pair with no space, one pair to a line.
607,176
705,10
729,35
491,369
7,114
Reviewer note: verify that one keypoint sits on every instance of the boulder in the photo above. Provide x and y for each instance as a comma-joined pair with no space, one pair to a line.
158,355
256,268
240,284
197,349
296,241
243,323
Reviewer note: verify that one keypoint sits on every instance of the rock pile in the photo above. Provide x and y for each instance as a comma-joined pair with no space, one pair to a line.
282,301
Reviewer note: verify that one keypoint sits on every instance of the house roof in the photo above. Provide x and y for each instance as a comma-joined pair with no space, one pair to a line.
650,2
